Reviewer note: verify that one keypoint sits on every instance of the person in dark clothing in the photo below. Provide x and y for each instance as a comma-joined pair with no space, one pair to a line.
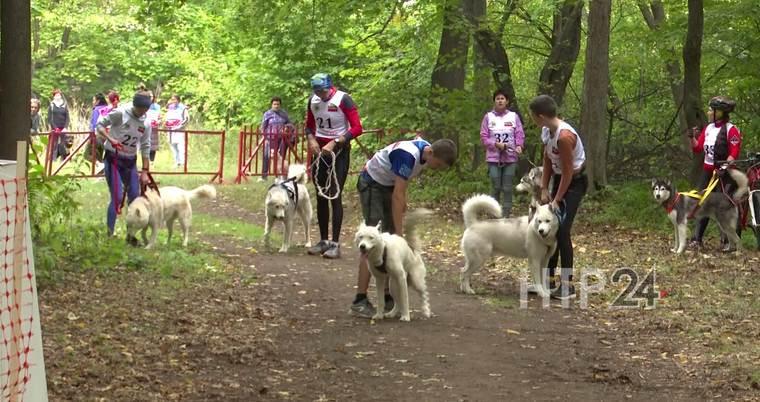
58,121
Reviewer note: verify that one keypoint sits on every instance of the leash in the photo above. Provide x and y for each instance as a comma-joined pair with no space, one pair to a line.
332,174
150,185
115,178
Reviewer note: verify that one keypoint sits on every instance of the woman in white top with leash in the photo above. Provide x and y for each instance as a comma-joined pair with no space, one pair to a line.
565,158
128,133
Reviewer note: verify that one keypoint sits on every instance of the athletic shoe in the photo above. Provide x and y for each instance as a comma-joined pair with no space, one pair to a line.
363,309
532,287
333,252
319,248
564,291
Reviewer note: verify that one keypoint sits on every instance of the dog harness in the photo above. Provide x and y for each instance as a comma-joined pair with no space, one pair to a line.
381,267
292,191
670,206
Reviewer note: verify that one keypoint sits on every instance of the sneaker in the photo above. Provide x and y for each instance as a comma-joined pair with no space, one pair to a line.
565,290
389,303
363,309
319,248
532,287
333,252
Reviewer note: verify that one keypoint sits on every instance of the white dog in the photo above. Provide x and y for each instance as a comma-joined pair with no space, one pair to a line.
145,212
391,256
284,200
534,238
174,205
177,207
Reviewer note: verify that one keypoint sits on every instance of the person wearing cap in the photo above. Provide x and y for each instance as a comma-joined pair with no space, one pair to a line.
720,140
128,131
332,121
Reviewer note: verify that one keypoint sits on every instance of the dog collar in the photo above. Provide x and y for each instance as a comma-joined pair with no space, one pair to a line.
669,207
381,267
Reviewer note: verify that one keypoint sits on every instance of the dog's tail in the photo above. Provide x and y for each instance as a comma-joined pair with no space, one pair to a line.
299,172
742,185
477,205
206,191
411,220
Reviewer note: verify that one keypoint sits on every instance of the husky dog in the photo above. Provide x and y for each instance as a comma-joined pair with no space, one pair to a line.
718,205
534,238
391,256
531,183
177,207
146,211
284,200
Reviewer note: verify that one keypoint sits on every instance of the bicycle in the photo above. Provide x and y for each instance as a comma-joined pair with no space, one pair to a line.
750,211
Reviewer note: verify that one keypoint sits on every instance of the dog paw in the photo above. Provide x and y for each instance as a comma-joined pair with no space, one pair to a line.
405,318
283,250
673,250
378,316
427,313
307,245
467,290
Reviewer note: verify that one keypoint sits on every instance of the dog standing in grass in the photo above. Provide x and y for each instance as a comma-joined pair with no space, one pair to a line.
174,205
285,199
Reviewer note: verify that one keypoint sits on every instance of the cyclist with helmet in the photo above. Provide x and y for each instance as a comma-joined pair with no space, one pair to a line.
332,121
719,141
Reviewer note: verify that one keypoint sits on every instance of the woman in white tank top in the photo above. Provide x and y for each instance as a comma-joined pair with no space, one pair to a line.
563,158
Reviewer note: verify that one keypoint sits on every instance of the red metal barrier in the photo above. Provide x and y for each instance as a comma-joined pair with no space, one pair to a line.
86,137
252,146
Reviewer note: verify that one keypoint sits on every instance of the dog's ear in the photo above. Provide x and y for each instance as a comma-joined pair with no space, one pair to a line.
379,226
668,183
654,181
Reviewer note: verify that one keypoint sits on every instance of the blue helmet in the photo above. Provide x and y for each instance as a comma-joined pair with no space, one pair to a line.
321,81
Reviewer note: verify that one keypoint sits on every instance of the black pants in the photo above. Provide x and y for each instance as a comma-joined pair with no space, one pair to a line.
568,209
320,176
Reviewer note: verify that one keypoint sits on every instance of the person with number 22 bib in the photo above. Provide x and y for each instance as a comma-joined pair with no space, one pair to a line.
128,133
332,121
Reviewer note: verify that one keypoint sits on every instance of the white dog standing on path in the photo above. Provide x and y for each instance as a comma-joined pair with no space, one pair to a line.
390,256
534,238
177,207
284,200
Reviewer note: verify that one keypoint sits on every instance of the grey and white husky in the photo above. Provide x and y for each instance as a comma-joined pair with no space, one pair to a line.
533,237
718,205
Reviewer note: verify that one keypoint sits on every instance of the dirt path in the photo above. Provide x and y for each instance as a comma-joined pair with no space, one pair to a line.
468,351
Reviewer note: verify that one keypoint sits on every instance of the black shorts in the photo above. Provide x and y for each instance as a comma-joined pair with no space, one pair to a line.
376,202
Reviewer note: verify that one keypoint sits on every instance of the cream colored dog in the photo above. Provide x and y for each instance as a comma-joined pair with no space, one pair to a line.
145,212
390,256
534,238
285,200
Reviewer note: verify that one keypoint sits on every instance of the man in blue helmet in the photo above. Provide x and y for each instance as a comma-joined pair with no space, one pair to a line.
332,121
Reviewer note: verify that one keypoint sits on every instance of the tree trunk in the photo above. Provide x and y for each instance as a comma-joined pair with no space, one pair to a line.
566,44
481,85
654,15
15,75
448,77
692,85
594,114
